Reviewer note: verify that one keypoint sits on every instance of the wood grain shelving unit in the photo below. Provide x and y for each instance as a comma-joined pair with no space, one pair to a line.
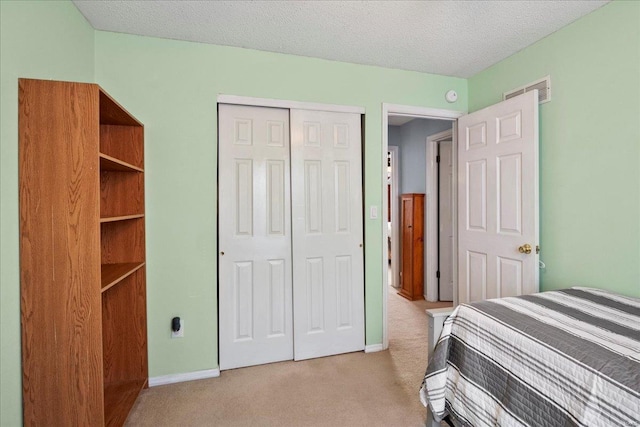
82,254
412,246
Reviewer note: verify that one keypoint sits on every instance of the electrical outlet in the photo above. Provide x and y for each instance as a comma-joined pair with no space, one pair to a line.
179,333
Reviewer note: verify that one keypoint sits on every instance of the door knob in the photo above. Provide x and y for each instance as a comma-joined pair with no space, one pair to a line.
222,253
525,249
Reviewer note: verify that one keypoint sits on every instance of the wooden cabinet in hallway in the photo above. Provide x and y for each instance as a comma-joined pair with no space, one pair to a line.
412,246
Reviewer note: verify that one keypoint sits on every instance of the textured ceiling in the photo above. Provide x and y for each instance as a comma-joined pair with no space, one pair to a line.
453,38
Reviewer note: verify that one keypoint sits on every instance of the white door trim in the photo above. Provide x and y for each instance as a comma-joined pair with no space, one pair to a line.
431,241
292,105
412,111
395,216
420,112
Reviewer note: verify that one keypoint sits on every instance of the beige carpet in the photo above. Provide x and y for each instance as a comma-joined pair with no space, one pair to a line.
356,389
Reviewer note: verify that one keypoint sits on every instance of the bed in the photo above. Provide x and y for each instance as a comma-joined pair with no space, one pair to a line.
559,358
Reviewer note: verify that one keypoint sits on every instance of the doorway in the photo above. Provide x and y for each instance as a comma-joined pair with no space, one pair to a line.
415,167
394,114
500,259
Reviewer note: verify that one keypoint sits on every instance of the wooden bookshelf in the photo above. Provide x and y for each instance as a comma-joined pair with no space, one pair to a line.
82,255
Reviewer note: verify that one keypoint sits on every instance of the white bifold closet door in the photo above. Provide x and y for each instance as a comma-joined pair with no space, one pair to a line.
289,291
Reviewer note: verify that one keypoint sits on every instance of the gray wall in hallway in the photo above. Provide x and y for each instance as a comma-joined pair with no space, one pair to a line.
411,138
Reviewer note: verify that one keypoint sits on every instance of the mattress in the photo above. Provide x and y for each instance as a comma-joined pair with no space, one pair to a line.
559,358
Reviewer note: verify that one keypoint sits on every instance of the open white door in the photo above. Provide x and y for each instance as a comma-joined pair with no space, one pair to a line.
328,264
498,200
445,220
255,236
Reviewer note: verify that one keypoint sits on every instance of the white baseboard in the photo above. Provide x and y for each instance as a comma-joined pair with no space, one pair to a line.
373,348
187,376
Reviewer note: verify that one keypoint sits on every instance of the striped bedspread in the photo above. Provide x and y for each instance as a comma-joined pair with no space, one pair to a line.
560,358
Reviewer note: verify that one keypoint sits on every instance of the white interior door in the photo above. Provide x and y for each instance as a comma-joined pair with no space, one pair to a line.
254,236
328,266
445,219
498,200
394,210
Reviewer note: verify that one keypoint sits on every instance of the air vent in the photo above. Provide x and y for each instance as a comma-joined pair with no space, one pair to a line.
543,86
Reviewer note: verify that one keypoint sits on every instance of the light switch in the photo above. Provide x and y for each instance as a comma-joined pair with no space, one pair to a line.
373,212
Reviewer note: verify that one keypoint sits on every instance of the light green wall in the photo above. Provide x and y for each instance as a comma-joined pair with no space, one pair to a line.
46,40
589,146
171,87
590,154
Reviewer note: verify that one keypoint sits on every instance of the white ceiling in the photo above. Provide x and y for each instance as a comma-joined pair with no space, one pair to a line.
453,38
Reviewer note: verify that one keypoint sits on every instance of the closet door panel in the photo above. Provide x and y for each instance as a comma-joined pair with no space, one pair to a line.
326,198
254,235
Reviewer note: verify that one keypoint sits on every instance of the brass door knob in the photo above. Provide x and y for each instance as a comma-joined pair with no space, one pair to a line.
525,249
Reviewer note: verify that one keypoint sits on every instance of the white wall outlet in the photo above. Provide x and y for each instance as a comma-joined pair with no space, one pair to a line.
180,332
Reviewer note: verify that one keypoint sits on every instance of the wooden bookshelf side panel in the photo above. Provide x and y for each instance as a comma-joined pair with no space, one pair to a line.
119,398
121,193
124,330
59,253
122,241
123,142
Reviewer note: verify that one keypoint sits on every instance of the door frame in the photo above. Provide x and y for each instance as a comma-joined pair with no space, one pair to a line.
417,112
431,229
290,105
395,215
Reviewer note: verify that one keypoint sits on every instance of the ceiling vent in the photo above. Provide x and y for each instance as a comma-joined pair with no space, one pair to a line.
544,90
